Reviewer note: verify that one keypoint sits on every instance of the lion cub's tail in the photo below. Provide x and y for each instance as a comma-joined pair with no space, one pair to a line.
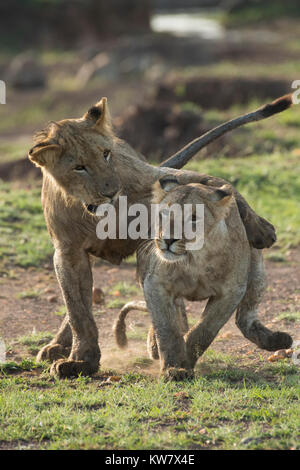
119,327
180,158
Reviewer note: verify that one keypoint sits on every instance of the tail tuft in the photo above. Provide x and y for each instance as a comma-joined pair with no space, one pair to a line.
119,330
119,326
277,106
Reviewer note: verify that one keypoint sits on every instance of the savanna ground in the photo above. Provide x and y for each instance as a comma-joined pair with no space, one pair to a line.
238,399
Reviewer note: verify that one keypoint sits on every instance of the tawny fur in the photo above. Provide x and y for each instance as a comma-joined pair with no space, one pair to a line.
226,271
60,150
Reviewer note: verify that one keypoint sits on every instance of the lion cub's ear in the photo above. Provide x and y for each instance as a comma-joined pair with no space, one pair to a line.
224,194
99,116
163,186
168,183
44,153
220,201
222,198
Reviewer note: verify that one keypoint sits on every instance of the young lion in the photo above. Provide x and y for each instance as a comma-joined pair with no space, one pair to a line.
226,270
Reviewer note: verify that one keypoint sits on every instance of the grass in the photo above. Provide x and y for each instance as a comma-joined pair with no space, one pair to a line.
115,303
227,69
24,240
35,340
224,408
28,294
124,288
120,290
14,150
289,316
261,12
24,365
61,311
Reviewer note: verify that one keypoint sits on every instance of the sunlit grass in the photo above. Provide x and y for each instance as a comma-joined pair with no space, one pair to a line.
227,407
24,240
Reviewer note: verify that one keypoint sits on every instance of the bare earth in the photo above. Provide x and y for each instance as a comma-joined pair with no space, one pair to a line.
24,316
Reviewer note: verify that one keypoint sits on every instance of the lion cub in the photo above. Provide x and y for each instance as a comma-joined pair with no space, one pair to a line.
225,270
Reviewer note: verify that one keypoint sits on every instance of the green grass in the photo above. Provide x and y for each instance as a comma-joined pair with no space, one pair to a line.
14,150
24,240
262,12
289,316
36,338
246,69
24,365
61,311
28,294
124,288
115,303
225,407
121,289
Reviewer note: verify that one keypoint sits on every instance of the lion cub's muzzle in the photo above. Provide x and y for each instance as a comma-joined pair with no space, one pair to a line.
171,248
105,199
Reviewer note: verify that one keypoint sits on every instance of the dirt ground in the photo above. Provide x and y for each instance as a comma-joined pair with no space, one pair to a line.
24,316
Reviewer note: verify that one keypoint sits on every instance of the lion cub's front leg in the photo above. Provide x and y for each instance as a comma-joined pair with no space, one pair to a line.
75,278
217,312
181,320
168,332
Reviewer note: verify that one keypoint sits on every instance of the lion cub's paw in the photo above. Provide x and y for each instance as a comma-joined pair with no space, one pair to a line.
177,374
52,352
278,340
68,368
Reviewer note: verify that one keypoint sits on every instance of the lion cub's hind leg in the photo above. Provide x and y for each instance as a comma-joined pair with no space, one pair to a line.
247,311
60,346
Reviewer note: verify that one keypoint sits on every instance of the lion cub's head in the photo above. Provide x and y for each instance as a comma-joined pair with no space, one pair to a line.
188,214
79,154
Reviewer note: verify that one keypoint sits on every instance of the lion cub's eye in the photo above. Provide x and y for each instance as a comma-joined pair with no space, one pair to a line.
80,168
107,155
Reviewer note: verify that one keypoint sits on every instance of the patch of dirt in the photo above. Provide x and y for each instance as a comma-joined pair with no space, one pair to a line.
23,316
